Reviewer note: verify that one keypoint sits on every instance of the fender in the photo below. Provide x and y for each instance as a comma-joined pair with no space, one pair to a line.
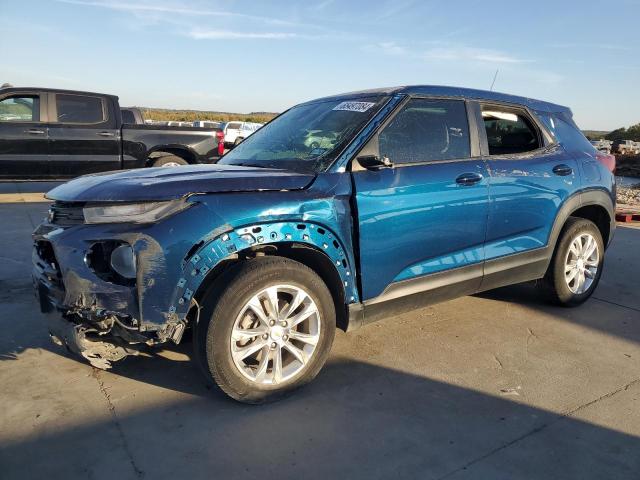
227,245
169,147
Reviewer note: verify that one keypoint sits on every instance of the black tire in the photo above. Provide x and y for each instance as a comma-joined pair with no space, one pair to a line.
168,160
223,302
554,283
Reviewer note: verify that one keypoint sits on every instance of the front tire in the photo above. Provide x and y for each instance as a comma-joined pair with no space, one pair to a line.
266,328
577,263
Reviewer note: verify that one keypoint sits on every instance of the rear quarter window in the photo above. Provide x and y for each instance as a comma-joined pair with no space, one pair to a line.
566,132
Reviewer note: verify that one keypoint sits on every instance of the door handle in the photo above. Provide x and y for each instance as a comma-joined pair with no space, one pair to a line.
562,170
468,179
34,131
106,134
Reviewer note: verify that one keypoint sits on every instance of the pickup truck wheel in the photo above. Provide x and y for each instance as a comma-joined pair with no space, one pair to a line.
577,263
266,328
169,161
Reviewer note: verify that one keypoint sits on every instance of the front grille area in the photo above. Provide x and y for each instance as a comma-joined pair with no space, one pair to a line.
64,213
47,263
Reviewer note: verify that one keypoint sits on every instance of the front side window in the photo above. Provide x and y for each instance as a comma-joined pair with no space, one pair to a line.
509,131
20,108
79,109
307,137
425,131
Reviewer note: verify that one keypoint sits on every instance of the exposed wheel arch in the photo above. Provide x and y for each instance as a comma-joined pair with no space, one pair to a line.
312,257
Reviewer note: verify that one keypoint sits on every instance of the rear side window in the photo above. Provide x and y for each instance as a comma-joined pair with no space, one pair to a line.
509,131
425,131
128,117
234,125
79,109
20,108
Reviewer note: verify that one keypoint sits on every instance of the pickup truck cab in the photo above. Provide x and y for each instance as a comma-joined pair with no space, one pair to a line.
419,195
47,134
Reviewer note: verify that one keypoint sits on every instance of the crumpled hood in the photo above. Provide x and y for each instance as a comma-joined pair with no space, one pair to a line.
147,184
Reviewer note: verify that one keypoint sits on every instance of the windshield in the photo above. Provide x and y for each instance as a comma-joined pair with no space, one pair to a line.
307,137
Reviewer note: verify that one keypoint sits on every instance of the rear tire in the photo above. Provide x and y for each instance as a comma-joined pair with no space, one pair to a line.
577,263
237,317
169,161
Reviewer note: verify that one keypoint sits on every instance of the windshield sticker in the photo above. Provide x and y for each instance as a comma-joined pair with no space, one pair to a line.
354,106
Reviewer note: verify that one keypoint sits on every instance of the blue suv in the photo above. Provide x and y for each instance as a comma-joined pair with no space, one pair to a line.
339,212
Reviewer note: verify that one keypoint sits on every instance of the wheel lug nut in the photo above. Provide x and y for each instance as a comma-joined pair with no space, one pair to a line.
265,336
272,322
274,345
285,337
284,324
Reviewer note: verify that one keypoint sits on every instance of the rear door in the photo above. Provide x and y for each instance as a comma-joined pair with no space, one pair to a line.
530,177
24,137
428,213
84,135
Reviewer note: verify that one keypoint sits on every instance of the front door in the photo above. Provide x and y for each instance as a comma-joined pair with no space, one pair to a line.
84,136
427,214
24,137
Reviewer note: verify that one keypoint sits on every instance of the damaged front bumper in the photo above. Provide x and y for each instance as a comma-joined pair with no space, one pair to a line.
87,342
97,316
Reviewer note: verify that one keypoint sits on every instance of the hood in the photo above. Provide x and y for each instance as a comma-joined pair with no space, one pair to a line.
149,184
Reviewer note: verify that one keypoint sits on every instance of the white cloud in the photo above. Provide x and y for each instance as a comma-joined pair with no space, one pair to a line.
462,54
391,48
229,34
158,8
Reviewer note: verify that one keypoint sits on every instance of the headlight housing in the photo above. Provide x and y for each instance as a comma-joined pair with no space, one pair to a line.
147,212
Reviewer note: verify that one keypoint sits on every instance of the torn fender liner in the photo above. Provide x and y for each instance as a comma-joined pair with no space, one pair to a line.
99,354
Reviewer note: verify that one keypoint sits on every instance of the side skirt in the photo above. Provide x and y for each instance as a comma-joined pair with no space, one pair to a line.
409,295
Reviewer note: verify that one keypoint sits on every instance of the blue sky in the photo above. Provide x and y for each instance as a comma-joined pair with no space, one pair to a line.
254,55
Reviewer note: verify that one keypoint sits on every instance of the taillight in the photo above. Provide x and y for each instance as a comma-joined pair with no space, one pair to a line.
608,160
220,137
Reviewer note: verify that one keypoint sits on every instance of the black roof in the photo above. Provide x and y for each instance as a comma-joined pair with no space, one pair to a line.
53,90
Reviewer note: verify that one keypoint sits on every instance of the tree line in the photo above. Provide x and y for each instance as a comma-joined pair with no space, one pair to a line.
631,133
166,115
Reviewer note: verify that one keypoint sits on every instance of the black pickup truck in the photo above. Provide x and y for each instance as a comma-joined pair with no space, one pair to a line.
50,134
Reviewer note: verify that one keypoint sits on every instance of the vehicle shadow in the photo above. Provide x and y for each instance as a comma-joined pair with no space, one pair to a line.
356,420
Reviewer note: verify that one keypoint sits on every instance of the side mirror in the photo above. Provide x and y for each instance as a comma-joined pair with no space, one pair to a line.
374,162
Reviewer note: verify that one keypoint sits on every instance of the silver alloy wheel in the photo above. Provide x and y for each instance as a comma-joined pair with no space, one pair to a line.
275,335
581,263
171,164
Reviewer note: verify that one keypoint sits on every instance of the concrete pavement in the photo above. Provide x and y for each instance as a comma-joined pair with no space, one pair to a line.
495,386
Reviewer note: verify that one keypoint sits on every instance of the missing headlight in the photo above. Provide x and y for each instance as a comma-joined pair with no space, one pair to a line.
119,269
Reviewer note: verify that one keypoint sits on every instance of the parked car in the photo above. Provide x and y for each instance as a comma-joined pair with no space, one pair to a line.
626,147
207,124
236,132
430,193
63,133
602,145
